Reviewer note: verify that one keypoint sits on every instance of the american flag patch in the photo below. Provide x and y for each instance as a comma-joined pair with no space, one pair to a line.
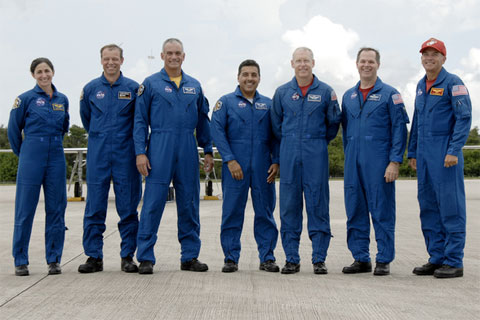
397,98
459,90
334,95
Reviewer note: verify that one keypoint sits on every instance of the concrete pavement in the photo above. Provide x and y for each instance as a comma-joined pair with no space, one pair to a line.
247,294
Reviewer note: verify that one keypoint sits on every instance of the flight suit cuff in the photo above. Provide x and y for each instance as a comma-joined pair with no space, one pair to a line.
228,157
412,155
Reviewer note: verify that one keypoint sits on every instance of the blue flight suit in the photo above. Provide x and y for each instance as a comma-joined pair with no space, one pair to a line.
173,115
44,122
441,125
242,131
305,125
374,134
107,113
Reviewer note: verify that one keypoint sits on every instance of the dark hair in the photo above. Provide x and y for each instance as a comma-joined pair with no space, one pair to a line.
170,40
248,63
112,47
37,61
377,54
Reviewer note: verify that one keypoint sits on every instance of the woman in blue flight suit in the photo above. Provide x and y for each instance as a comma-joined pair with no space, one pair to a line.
42,115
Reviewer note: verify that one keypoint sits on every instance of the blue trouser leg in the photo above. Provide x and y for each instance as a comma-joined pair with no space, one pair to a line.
291,207
383,218
358,220
316,203
154,201
317,197
235,194
127,197
94,218
187,191
55,204
26,200
265,228
452,206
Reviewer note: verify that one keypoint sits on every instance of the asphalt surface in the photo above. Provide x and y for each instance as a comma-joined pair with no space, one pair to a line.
247,294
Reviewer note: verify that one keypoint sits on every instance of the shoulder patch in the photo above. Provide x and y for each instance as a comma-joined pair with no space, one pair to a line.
140,90
458,90
397,98
218,106
334,95
16,103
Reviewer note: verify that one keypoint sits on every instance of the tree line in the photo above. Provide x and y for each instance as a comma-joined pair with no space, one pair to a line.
77,138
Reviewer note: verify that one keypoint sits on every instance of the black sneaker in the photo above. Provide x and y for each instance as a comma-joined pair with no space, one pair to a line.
290,268
146,267
21,270
92,265
128,265
358,267
269,266
427,269
447,271
193,265
230,266
54,268
381,269
320,268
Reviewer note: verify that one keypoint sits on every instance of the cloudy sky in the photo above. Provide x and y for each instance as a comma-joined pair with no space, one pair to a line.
219,34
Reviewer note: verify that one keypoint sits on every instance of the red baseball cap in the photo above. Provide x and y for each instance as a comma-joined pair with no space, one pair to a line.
434,44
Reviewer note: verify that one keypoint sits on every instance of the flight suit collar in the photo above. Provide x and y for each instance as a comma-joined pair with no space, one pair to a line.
239,94
39,90
371,104
294,84
116,83
441,76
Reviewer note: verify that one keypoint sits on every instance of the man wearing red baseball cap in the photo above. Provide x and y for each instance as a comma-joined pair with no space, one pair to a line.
440,127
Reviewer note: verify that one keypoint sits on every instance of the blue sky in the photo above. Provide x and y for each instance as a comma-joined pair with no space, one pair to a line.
219,34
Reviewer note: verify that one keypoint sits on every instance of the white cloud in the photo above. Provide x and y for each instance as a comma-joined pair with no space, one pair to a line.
331,44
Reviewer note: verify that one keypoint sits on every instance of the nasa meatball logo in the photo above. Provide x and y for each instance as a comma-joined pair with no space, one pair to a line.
168,89
295,96
40,102
100,95
242,104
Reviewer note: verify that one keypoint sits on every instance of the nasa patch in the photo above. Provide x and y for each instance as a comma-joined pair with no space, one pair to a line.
419,92
40,102
295,96
168,89
242,104
353,96
100,95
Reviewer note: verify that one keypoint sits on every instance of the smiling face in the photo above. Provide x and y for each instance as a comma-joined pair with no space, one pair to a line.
43,74
111,62
303,63
432,61
248,79
173,56
367,65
